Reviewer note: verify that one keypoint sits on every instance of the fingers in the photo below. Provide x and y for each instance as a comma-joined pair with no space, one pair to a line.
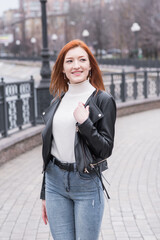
44,217
44,212
87,108
81,104
81,113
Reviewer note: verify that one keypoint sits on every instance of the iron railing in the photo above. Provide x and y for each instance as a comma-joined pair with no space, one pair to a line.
138,63
126,86
17,106
17,99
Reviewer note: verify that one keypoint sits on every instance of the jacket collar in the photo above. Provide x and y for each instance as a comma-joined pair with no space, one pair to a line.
95,112
49,112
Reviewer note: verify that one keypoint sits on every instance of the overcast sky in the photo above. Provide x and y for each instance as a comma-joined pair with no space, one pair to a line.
5,5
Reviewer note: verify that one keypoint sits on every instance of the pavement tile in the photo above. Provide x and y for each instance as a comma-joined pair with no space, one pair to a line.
132,213
136,238
149,237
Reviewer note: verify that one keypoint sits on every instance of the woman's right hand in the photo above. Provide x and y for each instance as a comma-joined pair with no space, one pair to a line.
44,212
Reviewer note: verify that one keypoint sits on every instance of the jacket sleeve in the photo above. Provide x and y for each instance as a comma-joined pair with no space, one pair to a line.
42,194
100,136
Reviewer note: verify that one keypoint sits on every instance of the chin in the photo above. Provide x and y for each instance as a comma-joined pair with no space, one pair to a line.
74,81
79,81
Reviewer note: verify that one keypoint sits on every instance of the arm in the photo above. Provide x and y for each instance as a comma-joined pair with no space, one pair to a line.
42,194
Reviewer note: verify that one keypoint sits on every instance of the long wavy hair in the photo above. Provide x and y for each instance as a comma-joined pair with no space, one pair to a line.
59,84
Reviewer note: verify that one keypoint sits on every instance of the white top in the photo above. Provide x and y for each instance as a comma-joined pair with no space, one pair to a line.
63,127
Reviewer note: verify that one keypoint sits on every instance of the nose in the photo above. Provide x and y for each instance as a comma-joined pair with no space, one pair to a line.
76,64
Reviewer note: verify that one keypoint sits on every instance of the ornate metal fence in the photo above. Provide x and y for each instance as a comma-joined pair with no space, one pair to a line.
138,63
17,99
17,106
126,86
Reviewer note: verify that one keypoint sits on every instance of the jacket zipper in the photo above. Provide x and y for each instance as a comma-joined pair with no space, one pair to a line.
85,168
94,164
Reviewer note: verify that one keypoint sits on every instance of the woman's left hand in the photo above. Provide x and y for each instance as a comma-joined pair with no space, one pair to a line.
81,113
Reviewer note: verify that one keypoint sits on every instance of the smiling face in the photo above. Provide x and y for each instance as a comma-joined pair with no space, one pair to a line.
76,65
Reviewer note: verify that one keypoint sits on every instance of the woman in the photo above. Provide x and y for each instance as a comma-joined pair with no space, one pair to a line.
77,139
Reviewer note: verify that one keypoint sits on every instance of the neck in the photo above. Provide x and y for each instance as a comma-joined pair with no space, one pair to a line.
80,88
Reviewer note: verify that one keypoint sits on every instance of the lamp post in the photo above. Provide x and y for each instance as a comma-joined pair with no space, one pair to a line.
18,43
135,28
43,96
33,41
85,35
5,47
95,45
54,39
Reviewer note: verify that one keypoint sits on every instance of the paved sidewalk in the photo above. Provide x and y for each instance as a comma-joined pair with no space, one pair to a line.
134,174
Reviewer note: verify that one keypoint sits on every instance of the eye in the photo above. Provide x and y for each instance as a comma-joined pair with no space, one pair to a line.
68,61
83,59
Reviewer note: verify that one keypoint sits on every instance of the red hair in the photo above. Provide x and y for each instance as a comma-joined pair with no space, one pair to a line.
59,84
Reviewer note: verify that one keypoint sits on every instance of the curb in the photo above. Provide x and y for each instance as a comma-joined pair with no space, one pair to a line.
137,106
20,142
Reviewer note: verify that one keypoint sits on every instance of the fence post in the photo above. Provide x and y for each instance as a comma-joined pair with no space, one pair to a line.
123,87
112,87
145,87
32,105
158,83
19,109
135,86
4,107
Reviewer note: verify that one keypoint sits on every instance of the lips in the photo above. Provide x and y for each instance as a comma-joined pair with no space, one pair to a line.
77,73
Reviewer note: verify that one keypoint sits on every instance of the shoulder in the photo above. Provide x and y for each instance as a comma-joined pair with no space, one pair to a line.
57,99
104,97
106,103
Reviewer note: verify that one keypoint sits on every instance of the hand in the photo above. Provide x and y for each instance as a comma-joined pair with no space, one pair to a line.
81,113
44,212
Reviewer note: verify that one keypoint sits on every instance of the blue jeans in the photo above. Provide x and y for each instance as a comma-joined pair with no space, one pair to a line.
75,204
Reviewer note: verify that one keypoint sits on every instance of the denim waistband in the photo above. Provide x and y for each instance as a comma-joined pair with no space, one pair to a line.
70,167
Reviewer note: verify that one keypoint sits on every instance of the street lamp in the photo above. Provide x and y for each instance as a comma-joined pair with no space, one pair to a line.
18,43
33,41
54,38
5,47
43,96
135,28
85,35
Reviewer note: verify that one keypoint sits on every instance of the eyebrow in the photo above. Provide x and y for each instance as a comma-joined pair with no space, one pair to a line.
72,57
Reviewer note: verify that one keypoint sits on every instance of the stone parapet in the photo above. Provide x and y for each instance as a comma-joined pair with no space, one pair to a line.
136,106
20,142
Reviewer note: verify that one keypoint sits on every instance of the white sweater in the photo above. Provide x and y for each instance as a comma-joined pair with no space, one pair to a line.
63,127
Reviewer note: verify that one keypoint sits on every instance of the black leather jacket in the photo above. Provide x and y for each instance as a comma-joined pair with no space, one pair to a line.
93,139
